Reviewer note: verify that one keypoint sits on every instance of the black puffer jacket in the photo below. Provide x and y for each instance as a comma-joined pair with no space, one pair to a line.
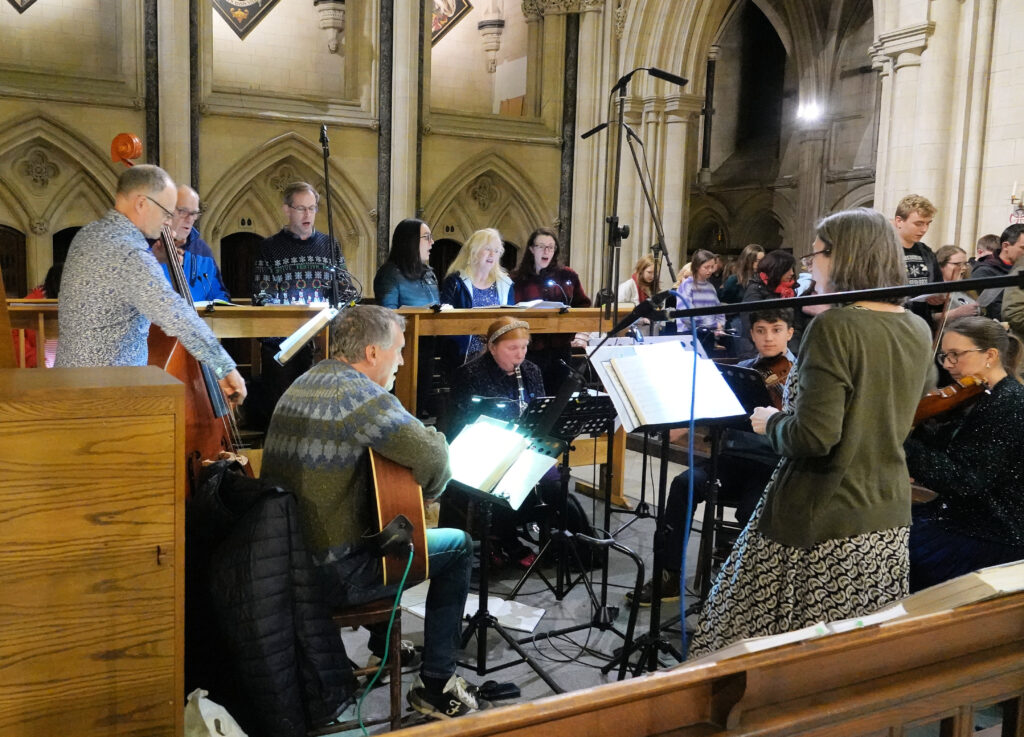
251,577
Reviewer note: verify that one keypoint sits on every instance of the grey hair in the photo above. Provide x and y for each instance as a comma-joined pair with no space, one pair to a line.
865,251
145,178
295,187
361,326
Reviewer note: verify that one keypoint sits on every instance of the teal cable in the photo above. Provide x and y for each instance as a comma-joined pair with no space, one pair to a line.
387,639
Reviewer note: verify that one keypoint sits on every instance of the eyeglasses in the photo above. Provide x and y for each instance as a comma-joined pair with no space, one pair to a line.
168,214
429,237
305,210
809,258
954,356
958,264
544,249
185,213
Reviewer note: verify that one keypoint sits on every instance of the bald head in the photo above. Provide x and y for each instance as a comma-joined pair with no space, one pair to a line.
186,213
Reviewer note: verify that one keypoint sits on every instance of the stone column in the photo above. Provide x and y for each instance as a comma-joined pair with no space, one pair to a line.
898,134
812,181
593,81
174,91
405,105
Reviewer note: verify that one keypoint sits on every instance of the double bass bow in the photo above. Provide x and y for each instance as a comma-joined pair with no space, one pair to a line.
211,432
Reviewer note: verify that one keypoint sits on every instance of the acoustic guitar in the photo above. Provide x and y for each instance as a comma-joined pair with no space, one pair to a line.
397,492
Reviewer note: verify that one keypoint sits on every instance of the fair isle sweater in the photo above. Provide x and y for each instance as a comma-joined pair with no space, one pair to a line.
316,447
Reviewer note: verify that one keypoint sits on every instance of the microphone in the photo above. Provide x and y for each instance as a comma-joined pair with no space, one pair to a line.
624,79
667,76
596,129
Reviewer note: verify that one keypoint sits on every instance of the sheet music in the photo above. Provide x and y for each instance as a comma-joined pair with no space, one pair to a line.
483,452
601,361
519,480
658,379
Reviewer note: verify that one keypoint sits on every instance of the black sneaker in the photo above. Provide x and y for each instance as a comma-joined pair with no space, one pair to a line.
456,699
669,589
411,658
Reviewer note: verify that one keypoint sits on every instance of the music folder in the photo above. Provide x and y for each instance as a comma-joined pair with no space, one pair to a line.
489,459
652,385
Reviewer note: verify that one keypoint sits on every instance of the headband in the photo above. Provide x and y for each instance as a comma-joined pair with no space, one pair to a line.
507,328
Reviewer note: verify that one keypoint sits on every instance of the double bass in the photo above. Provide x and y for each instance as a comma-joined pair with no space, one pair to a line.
211,433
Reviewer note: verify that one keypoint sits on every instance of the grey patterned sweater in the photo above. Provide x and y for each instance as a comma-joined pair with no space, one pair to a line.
112,289
316,447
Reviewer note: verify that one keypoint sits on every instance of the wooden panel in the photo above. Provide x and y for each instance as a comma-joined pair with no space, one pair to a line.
91,552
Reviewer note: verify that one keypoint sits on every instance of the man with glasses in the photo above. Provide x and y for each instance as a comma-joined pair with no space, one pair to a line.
294,267
112,287
195,255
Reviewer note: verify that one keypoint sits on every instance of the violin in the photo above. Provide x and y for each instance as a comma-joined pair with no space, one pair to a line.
958,395
774,371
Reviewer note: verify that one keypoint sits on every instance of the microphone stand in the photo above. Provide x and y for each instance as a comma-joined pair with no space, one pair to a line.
335,246
616,233
658,249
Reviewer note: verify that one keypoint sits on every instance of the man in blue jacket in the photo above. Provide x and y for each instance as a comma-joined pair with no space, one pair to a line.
201,271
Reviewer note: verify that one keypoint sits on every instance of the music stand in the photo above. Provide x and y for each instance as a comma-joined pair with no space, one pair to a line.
583,415
630,379
483,620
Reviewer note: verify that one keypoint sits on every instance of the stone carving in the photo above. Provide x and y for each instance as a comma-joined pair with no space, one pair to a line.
39,227
332,20
484,192
38,169
284,176
535,9
620,19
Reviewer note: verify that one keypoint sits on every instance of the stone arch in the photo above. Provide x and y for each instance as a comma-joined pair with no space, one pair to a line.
86,172
250,191
862,195
709,215
487,191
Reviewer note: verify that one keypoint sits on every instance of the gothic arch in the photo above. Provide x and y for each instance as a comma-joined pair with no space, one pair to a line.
709,214
488,191
254,183
91,179
860,196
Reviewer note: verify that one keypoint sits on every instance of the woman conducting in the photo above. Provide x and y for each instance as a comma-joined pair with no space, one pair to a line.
829,538
973,463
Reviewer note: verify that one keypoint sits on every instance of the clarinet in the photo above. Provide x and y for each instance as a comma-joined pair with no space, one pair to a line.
522,390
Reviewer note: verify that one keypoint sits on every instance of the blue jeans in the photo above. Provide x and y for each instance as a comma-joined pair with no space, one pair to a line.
352,576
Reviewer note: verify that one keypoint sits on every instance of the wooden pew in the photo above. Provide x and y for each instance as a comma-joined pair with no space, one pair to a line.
874,682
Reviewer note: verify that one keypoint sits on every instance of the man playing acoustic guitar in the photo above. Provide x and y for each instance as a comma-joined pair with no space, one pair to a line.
318,446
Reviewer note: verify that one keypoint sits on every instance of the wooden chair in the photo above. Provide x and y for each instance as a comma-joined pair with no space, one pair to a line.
364,615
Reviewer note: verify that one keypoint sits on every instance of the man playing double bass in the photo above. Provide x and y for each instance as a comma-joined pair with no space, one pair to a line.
113,288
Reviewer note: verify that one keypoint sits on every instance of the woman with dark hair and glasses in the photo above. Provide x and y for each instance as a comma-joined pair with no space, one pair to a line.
540,275
828,539
973,462
406,279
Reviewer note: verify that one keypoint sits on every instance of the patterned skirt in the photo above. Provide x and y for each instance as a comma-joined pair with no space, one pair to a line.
765,588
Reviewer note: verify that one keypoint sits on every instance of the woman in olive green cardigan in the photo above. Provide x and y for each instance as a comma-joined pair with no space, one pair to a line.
829,537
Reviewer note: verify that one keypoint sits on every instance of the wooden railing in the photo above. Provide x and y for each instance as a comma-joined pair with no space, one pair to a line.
879,681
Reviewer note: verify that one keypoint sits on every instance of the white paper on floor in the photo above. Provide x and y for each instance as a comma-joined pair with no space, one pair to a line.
513,615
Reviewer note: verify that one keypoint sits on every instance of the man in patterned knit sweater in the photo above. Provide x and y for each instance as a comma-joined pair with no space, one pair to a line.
293,267
317,447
